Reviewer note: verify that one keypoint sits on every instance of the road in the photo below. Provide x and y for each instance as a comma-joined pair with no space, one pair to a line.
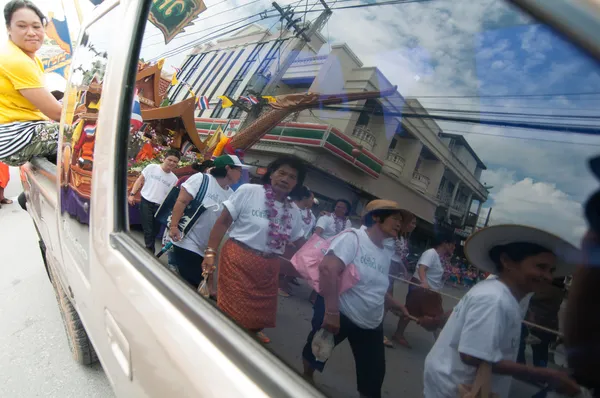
35,360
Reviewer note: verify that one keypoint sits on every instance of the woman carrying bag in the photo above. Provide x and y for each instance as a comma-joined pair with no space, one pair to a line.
356,314
485,326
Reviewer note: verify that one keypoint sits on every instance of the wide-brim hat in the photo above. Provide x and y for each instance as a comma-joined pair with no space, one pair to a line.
380,204
477,247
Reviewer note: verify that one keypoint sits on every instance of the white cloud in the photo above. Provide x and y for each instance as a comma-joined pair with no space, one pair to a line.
535,203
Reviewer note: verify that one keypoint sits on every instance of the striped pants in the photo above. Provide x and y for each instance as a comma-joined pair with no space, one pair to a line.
21,141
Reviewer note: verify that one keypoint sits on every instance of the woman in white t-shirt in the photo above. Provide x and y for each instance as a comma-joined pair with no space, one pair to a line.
188,252
155,182
485,325
357,313
425,300
261,221
399,267
332,224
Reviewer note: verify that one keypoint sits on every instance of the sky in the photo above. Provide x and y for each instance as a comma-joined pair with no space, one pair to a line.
437,50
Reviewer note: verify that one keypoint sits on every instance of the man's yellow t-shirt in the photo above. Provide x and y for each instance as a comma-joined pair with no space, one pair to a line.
18,72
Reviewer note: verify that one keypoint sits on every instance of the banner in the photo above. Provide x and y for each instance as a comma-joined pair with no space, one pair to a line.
172,16
57,49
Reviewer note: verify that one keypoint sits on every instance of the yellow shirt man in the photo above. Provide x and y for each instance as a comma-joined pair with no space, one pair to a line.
18,72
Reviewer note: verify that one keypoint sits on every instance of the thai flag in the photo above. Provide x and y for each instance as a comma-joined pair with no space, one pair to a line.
90,130
136,113
203,102
244,98
253,100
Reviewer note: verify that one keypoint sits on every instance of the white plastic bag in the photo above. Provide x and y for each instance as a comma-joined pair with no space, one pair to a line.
203,289
322,345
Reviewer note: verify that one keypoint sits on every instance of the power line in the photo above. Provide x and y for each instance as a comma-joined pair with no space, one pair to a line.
510,95
505,106
263,15
464,111
213,15
205,39
566,128
520,137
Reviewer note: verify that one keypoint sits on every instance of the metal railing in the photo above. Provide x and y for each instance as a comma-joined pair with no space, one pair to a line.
395,157
420,179
364,135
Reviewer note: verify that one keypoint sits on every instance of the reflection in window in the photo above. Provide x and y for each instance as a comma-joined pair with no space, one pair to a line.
82,102
443,77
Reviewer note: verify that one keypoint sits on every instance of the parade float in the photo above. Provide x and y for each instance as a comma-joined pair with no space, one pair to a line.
160,126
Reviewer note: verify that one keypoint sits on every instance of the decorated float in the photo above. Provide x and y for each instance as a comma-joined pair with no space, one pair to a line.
157,125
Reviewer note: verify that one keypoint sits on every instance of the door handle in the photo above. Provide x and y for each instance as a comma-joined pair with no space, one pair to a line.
118,344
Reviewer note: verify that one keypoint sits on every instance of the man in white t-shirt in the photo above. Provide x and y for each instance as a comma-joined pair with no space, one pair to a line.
332,224
485,326
426,301
155,183
188,252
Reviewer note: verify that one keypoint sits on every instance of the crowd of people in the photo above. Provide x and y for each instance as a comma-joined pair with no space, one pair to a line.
255,230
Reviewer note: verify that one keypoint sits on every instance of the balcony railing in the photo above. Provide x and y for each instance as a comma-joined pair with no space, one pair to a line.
444,197
420,181
363,135
460,207
395,161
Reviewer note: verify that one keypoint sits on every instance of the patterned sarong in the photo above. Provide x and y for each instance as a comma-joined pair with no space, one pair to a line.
21,141
247,286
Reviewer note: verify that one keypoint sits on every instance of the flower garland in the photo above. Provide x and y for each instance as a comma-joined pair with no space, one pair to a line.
401,247
308,218
340,224
279,228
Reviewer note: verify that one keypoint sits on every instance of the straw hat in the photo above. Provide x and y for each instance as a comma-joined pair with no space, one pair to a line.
478,246
380,204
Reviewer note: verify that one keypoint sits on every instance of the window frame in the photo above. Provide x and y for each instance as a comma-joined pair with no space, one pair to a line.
259,364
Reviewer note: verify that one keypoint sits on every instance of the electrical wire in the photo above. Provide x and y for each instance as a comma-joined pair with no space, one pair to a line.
263,15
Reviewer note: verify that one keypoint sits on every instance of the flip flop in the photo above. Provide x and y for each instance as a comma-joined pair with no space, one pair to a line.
263,338
387,342
6,201
402,341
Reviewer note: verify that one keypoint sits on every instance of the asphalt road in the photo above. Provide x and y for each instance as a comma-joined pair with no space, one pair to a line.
35,360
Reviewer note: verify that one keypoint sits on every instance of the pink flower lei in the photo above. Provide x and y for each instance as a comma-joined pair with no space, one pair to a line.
279,229
340,223
307,218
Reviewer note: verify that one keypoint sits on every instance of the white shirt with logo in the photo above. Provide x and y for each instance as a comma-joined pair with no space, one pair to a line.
250,215
364,302
157,183
435,271
485,324
197,239
330,229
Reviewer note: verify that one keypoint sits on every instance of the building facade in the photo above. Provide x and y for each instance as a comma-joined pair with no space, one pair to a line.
400,156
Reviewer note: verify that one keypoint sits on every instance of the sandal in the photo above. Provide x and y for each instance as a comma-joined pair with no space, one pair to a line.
402,341
6,201
263,338
387,342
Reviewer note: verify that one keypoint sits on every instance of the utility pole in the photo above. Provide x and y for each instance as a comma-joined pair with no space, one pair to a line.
487,219
305,34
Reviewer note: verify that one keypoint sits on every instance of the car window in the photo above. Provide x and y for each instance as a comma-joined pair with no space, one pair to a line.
468,115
